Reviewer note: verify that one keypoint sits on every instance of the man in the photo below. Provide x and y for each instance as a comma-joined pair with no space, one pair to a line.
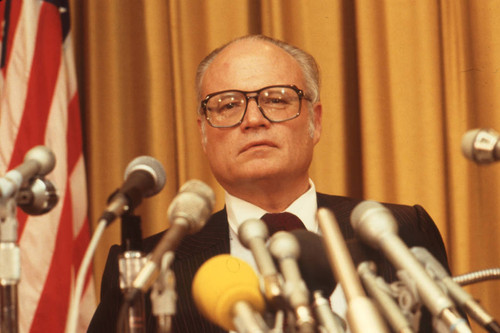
260,118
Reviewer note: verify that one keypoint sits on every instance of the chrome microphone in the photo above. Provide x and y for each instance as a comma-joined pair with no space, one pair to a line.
457,293
38,161
253,234
317,274
481,145
144,177
362,315
285,248
38,197
376,225
188,213
377,288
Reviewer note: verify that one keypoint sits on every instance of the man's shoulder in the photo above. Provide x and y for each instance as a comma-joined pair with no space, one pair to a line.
343,206
409,217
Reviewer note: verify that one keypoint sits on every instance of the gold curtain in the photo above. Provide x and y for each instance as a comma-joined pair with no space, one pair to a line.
402,81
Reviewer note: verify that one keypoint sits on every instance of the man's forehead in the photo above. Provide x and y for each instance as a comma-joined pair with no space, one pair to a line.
251,61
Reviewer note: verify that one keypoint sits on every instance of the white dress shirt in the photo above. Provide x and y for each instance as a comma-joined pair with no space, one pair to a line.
305,207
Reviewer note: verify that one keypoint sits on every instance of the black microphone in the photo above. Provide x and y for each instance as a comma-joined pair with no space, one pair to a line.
481,145
38,197
313,262
318,276
376,226
38,161
144,177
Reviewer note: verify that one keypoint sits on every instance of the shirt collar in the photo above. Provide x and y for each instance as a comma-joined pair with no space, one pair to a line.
304,207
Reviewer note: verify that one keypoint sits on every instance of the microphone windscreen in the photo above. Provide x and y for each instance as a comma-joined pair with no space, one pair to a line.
151,168
313,262
44,156
220,283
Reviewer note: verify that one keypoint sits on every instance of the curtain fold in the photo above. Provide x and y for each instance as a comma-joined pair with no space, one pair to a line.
402,81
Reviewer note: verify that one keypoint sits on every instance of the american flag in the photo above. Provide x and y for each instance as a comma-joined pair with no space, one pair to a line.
39,106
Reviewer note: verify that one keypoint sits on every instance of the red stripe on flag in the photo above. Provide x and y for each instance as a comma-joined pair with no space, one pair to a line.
43,78
52,307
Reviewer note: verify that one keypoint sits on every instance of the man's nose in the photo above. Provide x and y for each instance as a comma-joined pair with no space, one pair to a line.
254,116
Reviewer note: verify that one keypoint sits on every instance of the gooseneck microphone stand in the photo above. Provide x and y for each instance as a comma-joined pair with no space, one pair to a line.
10,267
130,262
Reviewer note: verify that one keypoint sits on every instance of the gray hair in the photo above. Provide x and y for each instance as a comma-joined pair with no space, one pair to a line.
306,62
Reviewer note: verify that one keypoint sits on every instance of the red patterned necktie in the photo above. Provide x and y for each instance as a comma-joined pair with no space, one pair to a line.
282,221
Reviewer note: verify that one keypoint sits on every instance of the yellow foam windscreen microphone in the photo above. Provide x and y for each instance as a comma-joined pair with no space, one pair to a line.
223,286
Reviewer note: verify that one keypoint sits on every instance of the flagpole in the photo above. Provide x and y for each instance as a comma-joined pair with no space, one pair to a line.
10,270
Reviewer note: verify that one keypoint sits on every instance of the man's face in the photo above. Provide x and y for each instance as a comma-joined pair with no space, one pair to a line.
258,150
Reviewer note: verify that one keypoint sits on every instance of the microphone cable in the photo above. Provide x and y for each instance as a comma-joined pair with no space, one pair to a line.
80,278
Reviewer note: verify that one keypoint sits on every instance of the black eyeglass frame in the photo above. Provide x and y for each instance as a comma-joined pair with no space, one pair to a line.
300,94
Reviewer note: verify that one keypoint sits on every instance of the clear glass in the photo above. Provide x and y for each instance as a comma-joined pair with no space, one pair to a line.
276,103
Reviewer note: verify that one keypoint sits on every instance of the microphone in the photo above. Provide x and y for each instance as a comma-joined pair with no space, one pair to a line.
285,248
253,234
376,226
460,296
38,197
313,263
366,259
481,145
362,315
144,177
318,276
378,289
188,213
38,161
226,292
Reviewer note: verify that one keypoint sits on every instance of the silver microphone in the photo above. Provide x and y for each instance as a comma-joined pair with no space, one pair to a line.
457,293
253,234
481,145
188,213
362,315
144,177
377,288
286,249
38,161
376,225
38,197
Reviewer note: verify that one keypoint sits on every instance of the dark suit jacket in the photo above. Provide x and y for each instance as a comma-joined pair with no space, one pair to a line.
416,228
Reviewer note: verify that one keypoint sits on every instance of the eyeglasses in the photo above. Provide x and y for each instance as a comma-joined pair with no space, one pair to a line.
276,103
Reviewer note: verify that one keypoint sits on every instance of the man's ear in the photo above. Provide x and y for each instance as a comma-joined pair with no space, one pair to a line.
201,130
318,112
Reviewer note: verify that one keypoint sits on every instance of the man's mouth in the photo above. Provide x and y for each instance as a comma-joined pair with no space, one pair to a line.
257,144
